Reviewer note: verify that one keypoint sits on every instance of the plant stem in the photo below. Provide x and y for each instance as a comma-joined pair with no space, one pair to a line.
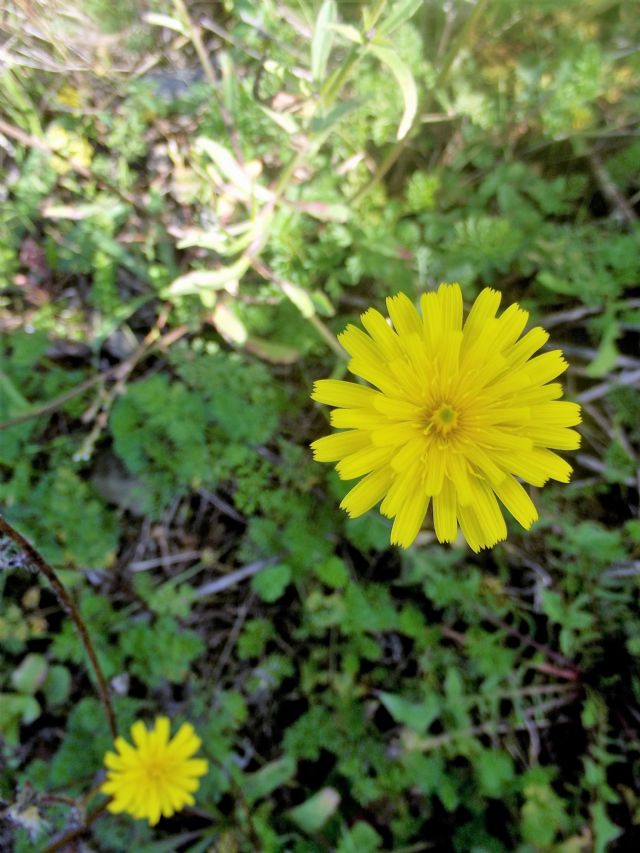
69,605
194,35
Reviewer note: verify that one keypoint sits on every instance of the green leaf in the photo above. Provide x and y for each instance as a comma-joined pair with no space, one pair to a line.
268,778
333,573
312,815
604,830
607,355
159,20
57,685
283,120
348,32
416,715
30,674
399,14
300,299
361,838
271,582
495,771
16,709
227,164
271,351
322,39
225,278
407,84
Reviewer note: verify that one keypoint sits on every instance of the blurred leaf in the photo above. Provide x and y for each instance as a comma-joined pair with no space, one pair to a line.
333,572
348,32
225,278
57,685
495,772
229,324
604,829
607,356
271,582
29,676
300,298
399,13
361,838
268,778
405,80
159,20
312,815
16,709
322,39
417,715
228,165
271,351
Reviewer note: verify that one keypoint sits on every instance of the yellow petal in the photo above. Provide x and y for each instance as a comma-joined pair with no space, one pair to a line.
435,465
336,392
444,513
560,413
482,311
357,419
470,527
558,438
517,501
405,484
543,368
521,351
358,344
510,326
363,461
458,473
382,333
409,520
367,492
403,314
395,434
330,448
488,514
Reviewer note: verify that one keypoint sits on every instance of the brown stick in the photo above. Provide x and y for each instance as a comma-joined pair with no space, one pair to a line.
69,605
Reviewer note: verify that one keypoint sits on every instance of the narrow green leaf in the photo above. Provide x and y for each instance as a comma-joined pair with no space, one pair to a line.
227,165
225,278
268,778
157,19
322,39
348,32
300,299
283,120
407,84
399,14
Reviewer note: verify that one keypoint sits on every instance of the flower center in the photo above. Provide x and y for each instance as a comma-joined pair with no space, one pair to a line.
443,420
156,771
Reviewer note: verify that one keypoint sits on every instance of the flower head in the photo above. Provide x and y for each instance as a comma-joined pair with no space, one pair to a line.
457,416
157,776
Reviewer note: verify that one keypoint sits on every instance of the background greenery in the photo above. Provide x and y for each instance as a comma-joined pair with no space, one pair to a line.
195,200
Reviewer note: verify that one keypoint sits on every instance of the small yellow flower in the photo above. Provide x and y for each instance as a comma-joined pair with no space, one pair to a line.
458,412
156,777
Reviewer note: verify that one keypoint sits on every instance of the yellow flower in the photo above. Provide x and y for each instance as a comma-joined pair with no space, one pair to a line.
459,414
156,777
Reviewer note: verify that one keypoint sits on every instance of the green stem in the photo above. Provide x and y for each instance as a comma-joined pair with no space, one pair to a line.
194,35
68,605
